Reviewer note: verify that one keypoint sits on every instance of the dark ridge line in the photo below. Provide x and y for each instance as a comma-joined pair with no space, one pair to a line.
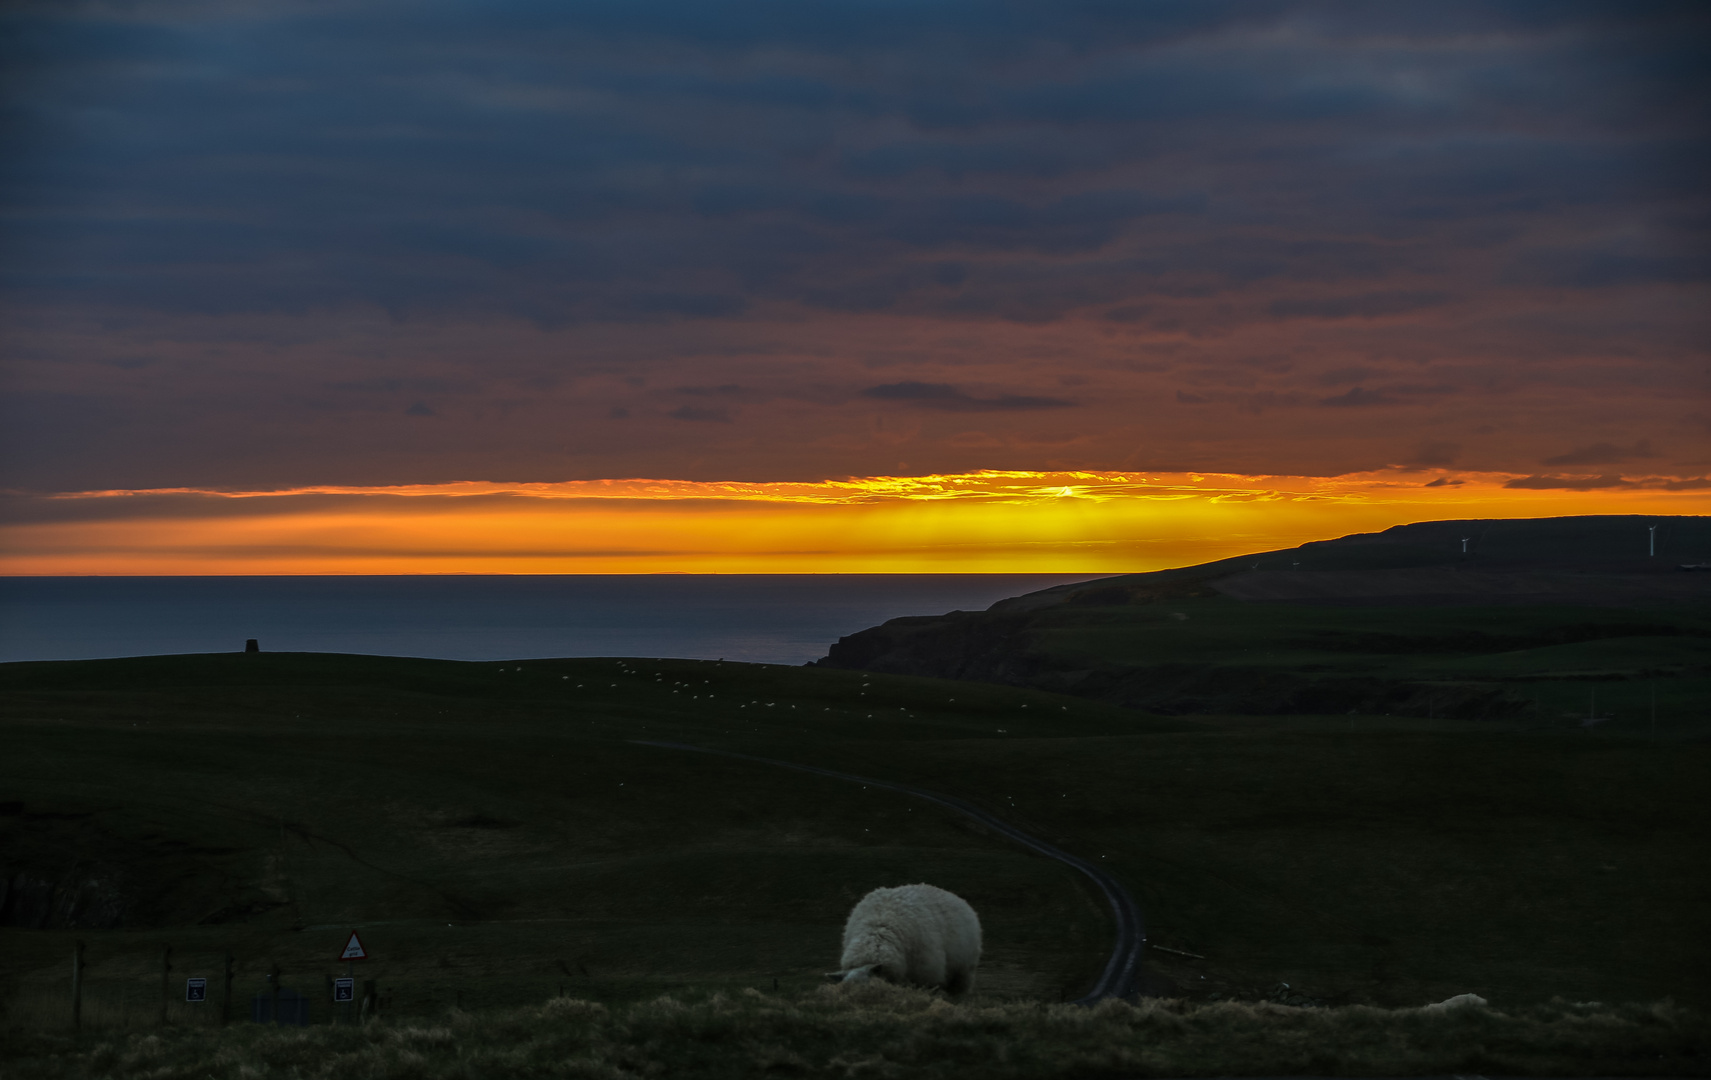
1121,976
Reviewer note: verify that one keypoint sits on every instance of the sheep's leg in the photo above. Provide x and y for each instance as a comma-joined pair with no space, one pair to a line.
959,981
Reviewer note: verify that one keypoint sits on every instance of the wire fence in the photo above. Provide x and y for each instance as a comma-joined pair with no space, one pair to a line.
194,989
134,1004
138,991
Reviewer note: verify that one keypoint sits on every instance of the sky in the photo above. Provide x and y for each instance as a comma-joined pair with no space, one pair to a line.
375,286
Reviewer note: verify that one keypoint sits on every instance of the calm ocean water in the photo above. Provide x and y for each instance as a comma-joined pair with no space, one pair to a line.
779,619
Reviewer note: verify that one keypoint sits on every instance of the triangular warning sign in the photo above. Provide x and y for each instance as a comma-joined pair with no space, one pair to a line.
353,949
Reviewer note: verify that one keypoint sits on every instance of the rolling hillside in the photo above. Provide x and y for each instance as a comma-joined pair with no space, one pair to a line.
497,837
1546,621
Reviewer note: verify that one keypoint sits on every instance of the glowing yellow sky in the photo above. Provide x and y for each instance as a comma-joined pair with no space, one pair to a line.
987,522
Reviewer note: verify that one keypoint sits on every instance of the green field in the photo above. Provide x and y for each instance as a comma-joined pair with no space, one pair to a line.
1541,664
498,841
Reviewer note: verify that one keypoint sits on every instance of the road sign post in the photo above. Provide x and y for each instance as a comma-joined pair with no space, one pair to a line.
344,990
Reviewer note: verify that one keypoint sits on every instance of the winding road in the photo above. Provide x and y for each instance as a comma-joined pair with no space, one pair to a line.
1122,976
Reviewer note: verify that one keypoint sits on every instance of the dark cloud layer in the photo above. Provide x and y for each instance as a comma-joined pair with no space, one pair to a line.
265,223
646,160
949,399
1569,483
1604,453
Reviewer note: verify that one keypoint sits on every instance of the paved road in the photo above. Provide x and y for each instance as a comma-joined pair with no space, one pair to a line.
1123,972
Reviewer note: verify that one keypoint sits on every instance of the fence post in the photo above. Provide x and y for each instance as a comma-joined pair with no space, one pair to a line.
226,997
77,986
165,981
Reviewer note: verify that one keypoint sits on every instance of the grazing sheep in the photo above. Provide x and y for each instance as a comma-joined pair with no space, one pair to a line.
914,934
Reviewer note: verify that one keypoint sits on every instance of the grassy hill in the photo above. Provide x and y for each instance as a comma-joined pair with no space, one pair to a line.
1549,621
496,838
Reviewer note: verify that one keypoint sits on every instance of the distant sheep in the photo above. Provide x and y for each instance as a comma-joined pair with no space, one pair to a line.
919,935
1460,1001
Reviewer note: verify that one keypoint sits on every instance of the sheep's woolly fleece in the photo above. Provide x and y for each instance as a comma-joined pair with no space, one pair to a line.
918,935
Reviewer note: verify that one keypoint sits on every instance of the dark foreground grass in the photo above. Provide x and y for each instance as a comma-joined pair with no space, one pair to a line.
881,1031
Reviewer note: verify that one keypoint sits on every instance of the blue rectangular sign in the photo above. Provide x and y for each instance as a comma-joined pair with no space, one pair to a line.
196,990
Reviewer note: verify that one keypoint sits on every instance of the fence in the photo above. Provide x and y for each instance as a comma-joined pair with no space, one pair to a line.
190,989
119,986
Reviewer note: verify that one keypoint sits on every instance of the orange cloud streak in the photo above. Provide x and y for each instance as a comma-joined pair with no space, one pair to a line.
985,522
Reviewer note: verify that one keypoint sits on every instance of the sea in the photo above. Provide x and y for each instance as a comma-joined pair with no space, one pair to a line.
757,618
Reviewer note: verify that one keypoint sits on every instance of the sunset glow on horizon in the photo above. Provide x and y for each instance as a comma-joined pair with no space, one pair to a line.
987,522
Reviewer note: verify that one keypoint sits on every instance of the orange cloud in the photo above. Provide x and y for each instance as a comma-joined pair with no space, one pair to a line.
979,522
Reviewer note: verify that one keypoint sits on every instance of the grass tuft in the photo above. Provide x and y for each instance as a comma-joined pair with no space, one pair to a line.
885,1031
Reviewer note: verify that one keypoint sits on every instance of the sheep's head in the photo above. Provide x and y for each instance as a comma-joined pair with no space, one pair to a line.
858,974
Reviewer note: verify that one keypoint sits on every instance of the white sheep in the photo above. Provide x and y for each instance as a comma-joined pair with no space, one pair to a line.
915,934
